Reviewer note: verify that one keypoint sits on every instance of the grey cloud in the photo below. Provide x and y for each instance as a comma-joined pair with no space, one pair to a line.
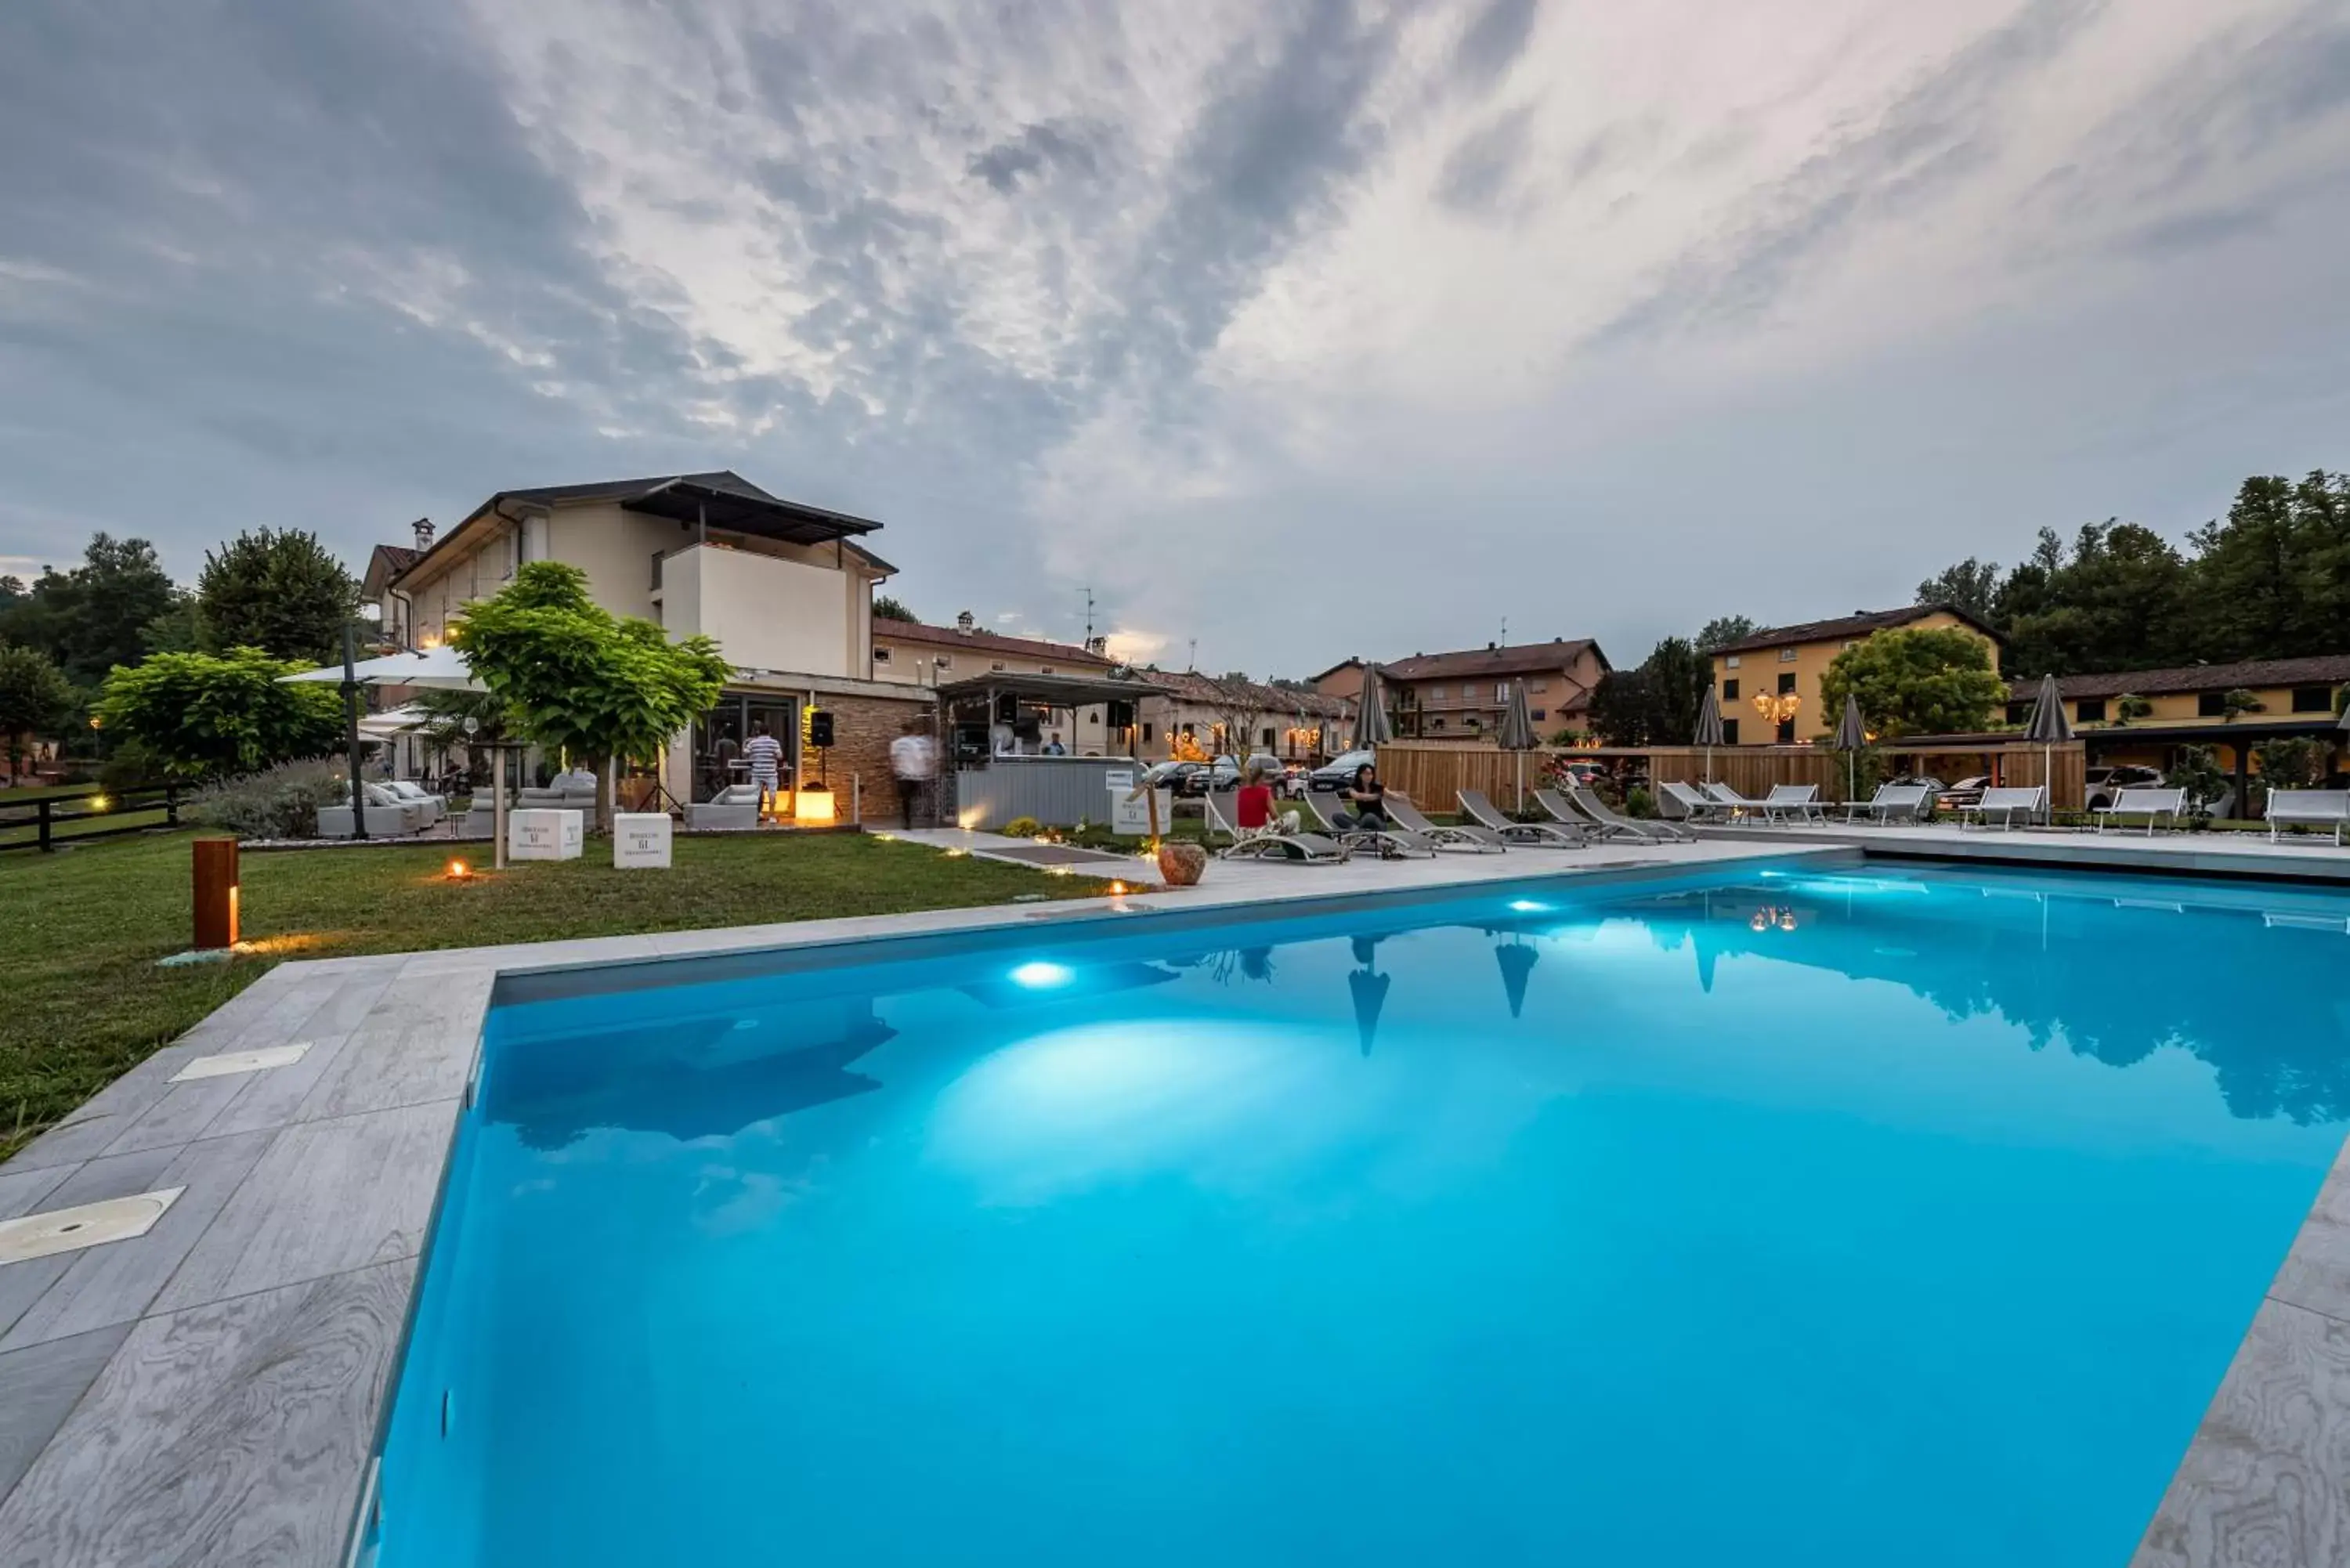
1932,137
1481,169
1037,149
2193,231
1494,40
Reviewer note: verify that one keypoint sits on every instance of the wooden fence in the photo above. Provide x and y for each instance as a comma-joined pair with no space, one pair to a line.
93,812
1432,772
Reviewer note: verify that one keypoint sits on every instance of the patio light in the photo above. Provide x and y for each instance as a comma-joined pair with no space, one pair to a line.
216,893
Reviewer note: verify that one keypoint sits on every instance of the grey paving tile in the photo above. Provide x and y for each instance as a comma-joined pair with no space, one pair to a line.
2316,1272
179,1116
2266,1483
78,1137
275,1095
38,1388
116,1282
117,1176
235,1433
327,1197
21,1191
416,1044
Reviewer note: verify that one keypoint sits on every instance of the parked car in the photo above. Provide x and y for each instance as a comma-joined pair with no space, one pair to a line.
1340,770
1585,772
1968,790
1287,778
2105,785
1180,778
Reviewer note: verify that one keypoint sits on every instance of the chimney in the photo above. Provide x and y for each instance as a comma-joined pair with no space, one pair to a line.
423,526
963,623
1099,646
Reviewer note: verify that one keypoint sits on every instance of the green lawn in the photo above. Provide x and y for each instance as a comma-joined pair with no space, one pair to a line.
18,824
84,927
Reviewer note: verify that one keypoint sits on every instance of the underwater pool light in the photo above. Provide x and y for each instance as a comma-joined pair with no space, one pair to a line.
1528,907
1040,976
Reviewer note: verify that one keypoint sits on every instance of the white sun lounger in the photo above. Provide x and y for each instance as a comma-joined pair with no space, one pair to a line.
1612,824
1387,841
1890,802
1546,835
1308,846
1695,804
2150,803
1799,801
2006,803
2328,808
1729,800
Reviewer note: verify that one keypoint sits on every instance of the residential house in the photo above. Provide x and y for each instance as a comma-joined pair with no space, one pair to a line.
1769,683
2192,706
1185,711
934,656
1461,696
783,588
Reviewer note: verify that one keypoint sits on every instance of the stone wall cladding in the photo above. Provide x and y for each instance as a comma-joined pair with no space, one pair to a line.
862,729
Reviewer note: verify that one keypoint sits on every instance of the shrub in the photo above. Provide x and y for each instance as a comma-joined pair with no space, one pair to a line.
1023,828
282,802
2197,771
1637,803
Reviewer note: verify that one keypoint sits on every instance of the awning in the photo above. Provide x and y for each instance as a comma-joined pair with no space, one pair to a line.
789,521
1059,691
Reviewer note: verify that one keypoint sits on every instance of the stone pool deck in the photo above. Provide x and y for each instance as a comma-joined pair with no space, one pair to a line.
212,1391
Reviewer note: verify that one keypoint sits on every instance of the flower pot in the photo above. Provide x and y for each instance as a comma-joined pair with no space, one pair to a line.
1179,863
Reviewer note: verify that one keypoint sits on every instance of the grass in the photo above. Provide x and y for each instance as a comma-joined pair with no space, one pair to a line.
85,926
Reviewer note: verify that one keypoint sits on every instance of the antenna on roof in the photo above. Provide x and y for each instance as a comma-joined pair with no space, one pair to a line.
1505,633
1090,616
1194,661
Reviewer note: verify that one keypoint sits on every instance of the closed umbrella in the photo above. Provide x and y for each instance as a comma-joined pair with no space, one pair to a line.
2048,727
1518,733
1370,711
1517,962
1851,737
1708,729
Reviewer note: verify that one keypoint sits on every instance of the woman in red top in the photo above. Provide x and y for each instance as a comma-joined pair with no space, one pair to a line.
1253,807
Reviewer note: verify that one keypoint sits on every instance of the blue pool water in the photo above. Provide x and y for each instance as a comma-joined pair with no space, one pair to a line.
1775,1218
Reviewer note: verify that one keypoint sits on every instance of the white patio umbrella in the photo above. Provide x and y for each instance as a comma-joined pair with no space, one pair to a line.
1708,729
1851,738
2048,727
442,669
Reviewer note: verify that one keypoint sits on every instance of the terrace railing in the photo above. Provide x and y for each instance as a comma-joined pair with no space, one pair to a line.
71,817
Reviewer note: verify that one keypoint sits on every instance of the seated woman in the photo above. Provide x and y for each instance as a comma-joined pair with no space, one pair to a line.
1252,805
1368,797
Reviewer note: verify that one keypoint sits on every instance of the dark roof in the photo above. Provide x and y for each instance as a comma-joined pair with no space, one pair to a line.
1064,691
1513,659
1190,686
2323,670
948,637
1352,661
724,497
1859,623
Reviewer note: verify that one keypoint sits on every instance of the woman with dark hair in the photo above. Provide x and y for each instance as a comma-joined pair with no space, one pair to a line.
1368,797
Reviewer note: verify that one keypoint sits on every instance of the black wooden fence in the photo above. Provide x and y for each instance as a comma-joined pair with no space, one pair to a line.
93,812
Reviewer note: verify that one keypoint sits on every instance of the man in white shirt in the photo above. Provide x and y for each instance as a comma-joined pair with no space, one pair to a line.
766,755
913,759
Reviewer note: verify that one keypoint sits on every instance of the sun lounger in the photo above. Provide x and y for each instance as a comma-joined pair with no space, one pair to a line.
1390,841
1582,803
1694,804
1799,801
1460,836
1891,803
2006,804
2328,808
1544,834
2150,803
1311,847
407,792
1729,800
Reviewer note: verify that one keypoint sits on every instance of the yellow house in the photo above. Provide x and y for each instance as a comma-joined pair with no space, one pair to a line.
1769,683
2190,706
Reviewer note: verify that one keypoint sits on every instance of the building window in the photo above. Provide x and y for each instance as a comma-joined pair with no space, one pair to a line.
2211,705
2312,699
880,656
1786,732
1786,683
1730,662
1436,693
1539,715
1146,733
1729,690
997,666
2090,709
1267,741
1729,732
2018,712
1538,684
1501,692
1436,723
1047,671
946,661
1786,656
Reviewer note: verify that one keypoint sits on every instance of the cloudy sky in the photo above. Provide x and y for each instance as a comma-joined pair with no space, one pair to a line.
1300,329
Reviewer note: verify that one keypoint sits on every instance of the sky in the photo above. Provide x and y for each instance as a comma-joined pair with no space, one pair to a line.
1290,331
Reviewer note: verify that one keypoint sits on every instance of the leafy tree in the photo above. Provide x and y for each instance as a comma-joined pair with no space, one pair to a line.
2196,770
207,715
578,679
1722,630
2235,704
35,700
13,592
1972,585
1917,680
177,631
2293,761
888,606
2129,706
1678,676
93,618
282,592
1621,712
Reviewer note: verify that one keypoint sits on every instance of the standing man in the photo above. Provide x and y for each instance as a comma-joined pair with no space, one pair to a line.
913,759
766,755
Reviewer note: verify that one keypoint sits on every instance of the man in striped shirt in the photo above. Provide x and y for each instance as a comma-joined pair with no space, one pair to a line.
766,755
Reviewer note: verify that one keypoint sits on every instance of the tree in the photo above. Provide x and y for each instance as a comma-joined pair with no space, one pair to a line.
1973,586
1677,678
581,681
1917,680
1723,630
2273,577
282,592
1240,707
2238,702
92,619
2294,762
207,715
888,606
179,629
2130,706
1621,712
35,700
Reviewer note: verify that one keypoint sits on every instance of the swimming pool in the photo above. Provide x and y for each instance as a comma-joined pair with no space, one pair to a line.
1768,1216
